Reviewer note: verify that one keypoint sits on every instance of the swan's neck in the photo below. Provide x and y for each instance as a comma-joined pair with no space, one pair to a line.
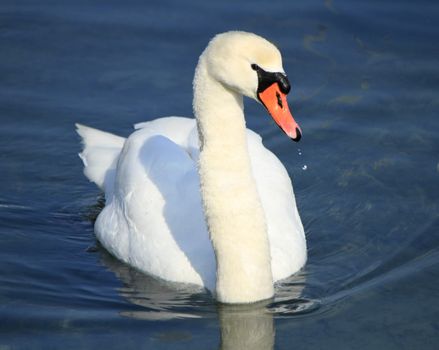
232,206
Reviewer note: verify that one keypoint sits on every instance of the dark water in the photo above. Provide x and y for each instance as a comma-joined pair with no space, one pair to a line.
365,90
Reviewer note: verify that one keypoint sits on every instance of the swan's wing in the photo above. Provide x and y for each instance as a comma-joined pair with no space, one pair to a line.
155,220
285,230
101,149
180,130
175,129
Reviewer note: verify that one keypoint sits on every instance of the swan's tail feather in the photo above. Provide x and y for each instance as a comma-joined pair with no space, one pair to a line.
99,155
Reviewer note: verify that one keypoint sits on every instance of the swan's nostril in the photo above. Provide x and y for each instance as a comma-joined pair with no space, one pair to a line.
298,135
279,100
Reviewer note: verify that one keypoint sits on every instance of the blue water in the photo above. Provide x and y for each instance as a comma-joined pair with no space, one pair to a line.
365,79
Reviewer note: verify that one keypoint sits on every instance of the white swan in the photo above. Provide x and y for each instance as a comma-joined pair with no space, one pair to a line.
204,201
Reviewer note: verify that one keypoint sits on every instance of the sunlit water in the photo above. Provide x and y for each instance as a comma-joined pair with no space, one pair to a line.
366,172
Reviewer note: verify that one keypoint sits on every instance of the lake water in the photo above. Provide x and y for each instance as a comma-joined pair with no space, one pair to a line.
365,79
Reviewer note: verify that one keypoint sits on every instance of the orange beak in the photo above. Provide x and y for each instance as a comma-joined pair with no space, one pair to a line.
276,103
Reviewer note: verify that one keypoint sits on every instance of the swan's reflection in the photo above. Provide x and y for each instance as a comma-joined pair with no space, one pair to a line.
252,326
160,300
241,326
246,327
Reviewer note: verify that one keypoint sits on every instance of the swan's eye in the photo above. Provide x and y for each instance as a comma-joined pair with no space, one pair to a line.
265,79
279,100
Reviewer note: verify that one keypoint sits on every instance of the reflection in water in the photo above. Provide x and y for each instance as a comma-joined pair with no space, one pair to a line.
160,300
246,326
241,326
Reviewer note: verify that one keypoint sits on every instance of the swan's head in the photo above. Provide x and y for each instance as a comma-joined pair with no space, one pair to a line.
252,66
